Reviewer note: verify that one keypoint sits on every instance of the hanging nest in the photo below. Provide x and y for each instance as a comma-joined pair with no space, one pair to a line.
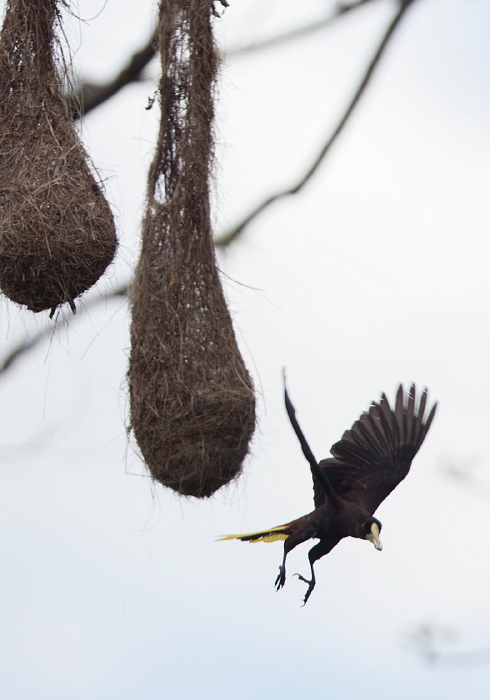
192,399
57,233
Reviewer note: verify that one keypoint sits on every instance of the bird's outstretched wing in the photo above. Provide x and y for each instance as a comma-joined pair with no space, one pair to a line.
376,453
320,483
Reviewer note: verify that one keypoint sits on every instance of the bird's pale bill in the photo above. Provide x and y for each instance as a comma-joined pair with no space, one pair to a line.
373,537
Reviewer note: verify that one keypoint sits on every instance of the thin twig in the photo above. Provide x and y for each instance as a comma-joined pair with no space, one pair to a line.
91,95
461,659
29,342
226,238
299,33
88,96
430,643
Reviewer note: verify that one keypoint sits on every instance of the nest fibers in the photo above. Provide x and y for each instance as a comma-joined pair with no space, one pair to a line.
57,232
192,400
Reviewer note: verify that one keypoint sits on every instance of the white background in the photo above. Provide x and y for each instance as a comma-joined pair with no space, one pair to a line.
377,273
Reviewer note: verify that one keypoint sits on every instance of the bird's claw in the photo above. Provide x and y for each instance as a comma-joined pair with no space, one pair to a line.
311,586
281,578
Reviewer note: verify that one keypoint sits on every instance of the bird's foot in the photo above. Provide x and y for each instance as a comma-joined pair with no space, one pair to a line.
311,586
281,578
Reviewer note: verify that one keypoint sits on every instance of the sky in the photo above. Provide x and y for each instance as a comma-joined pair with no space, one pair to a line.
375,274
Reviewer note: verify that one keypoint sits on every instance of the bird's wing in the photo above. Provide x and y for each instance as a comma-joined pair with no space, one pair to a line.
376,453
318,474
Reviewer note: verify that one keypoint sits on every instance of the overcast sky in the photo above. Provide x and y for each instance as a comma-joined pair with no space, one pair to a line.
377,273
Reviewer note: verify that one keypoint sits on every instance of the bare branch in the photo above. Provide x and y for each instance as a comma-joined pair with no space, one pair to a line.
464,473
30,342
226,238
430,643
475,657
91,95
299,33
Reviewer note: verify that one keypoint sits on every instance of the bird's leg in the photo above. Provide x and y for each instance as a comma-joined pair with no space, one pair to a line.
311,583
292,541
319,550
302,578
281,576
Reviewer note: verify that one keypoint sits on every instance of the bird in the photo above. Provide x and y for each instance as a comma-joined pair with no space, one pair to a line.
370,460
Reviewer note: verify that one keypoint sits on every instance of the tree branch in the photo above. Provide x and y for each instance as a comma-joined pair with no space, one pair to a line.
91,95
428,641
88,96
298,33
226,238
29,342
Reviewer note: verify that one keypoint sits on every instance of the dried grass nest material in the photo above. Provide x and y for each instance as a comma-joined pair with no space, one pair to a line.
57,233
192,399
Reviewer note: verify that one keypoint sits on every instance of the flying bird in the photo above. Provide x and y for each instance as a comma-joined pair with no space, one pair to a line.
370,460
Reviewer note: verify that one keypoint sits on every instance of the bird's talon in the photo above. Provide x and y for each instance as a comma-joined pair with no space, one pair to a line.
311,586
281,578
305,599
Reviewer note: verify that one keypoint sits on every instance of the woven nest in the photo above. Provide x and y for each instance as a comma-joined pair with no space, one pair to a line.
57,233
192,399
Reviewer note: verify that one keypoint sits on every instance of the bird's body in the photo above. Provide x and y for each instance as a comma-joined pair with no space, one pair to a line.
367,464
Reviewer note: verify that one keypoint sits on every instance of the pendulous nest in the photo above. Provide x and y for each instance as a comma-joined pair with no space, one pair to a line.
57,233
192,399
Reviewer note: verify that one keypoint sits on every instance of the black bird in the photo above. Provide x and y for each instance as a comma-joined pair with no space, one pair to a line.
367,464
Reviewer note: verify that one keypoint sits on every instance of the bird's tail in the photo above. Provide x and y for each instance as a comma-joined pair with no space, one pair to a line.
281,532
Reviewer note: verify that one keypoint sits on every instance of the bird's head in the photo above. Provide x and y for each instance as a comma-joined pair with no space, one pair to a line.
369,529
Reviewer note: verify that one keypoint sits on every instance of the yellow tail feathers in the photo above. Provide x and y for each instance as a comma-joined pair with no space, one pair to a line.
272,535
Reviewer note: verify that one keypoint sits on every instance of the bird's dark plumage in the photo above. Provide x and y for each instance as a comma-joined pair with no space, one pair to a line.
376,453
366,465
